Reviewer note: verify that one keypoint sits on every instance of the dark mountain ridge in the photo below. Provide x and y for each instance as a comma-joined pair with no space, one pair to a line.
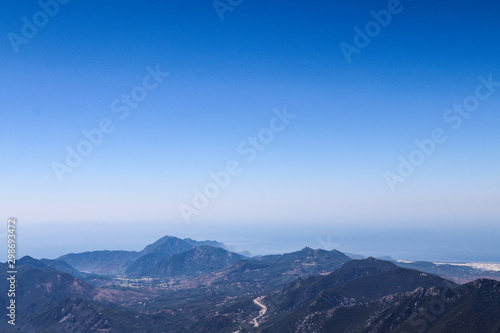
376,296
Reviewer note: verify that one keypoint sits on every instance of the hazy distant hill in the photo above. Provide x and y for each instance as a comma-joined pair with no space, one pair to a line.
59,265
101,262
211,243
457,273
167,246
156,252
196,261
132,262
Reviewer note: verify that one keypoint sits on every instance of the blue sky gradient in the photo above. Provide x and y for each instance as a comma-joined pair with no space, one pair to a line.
325,168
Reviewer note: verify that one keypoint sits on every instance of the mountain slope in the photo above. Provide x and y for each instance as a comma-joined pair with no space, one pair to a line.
156,252
199,260
101,262
304,289
70,315
167,245
41,288
58,265
473,307
309,302
274,271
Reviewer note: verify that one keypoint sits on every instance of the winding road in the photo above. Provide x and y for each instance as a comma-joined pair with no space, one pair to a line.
258,301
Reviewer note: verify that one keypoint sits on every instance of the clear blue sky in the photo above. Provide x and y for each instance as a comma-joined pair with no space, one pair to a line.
327,167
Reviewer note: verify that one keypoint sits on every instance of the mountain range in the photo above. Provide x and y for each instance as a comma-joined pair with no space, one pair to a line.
183,285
